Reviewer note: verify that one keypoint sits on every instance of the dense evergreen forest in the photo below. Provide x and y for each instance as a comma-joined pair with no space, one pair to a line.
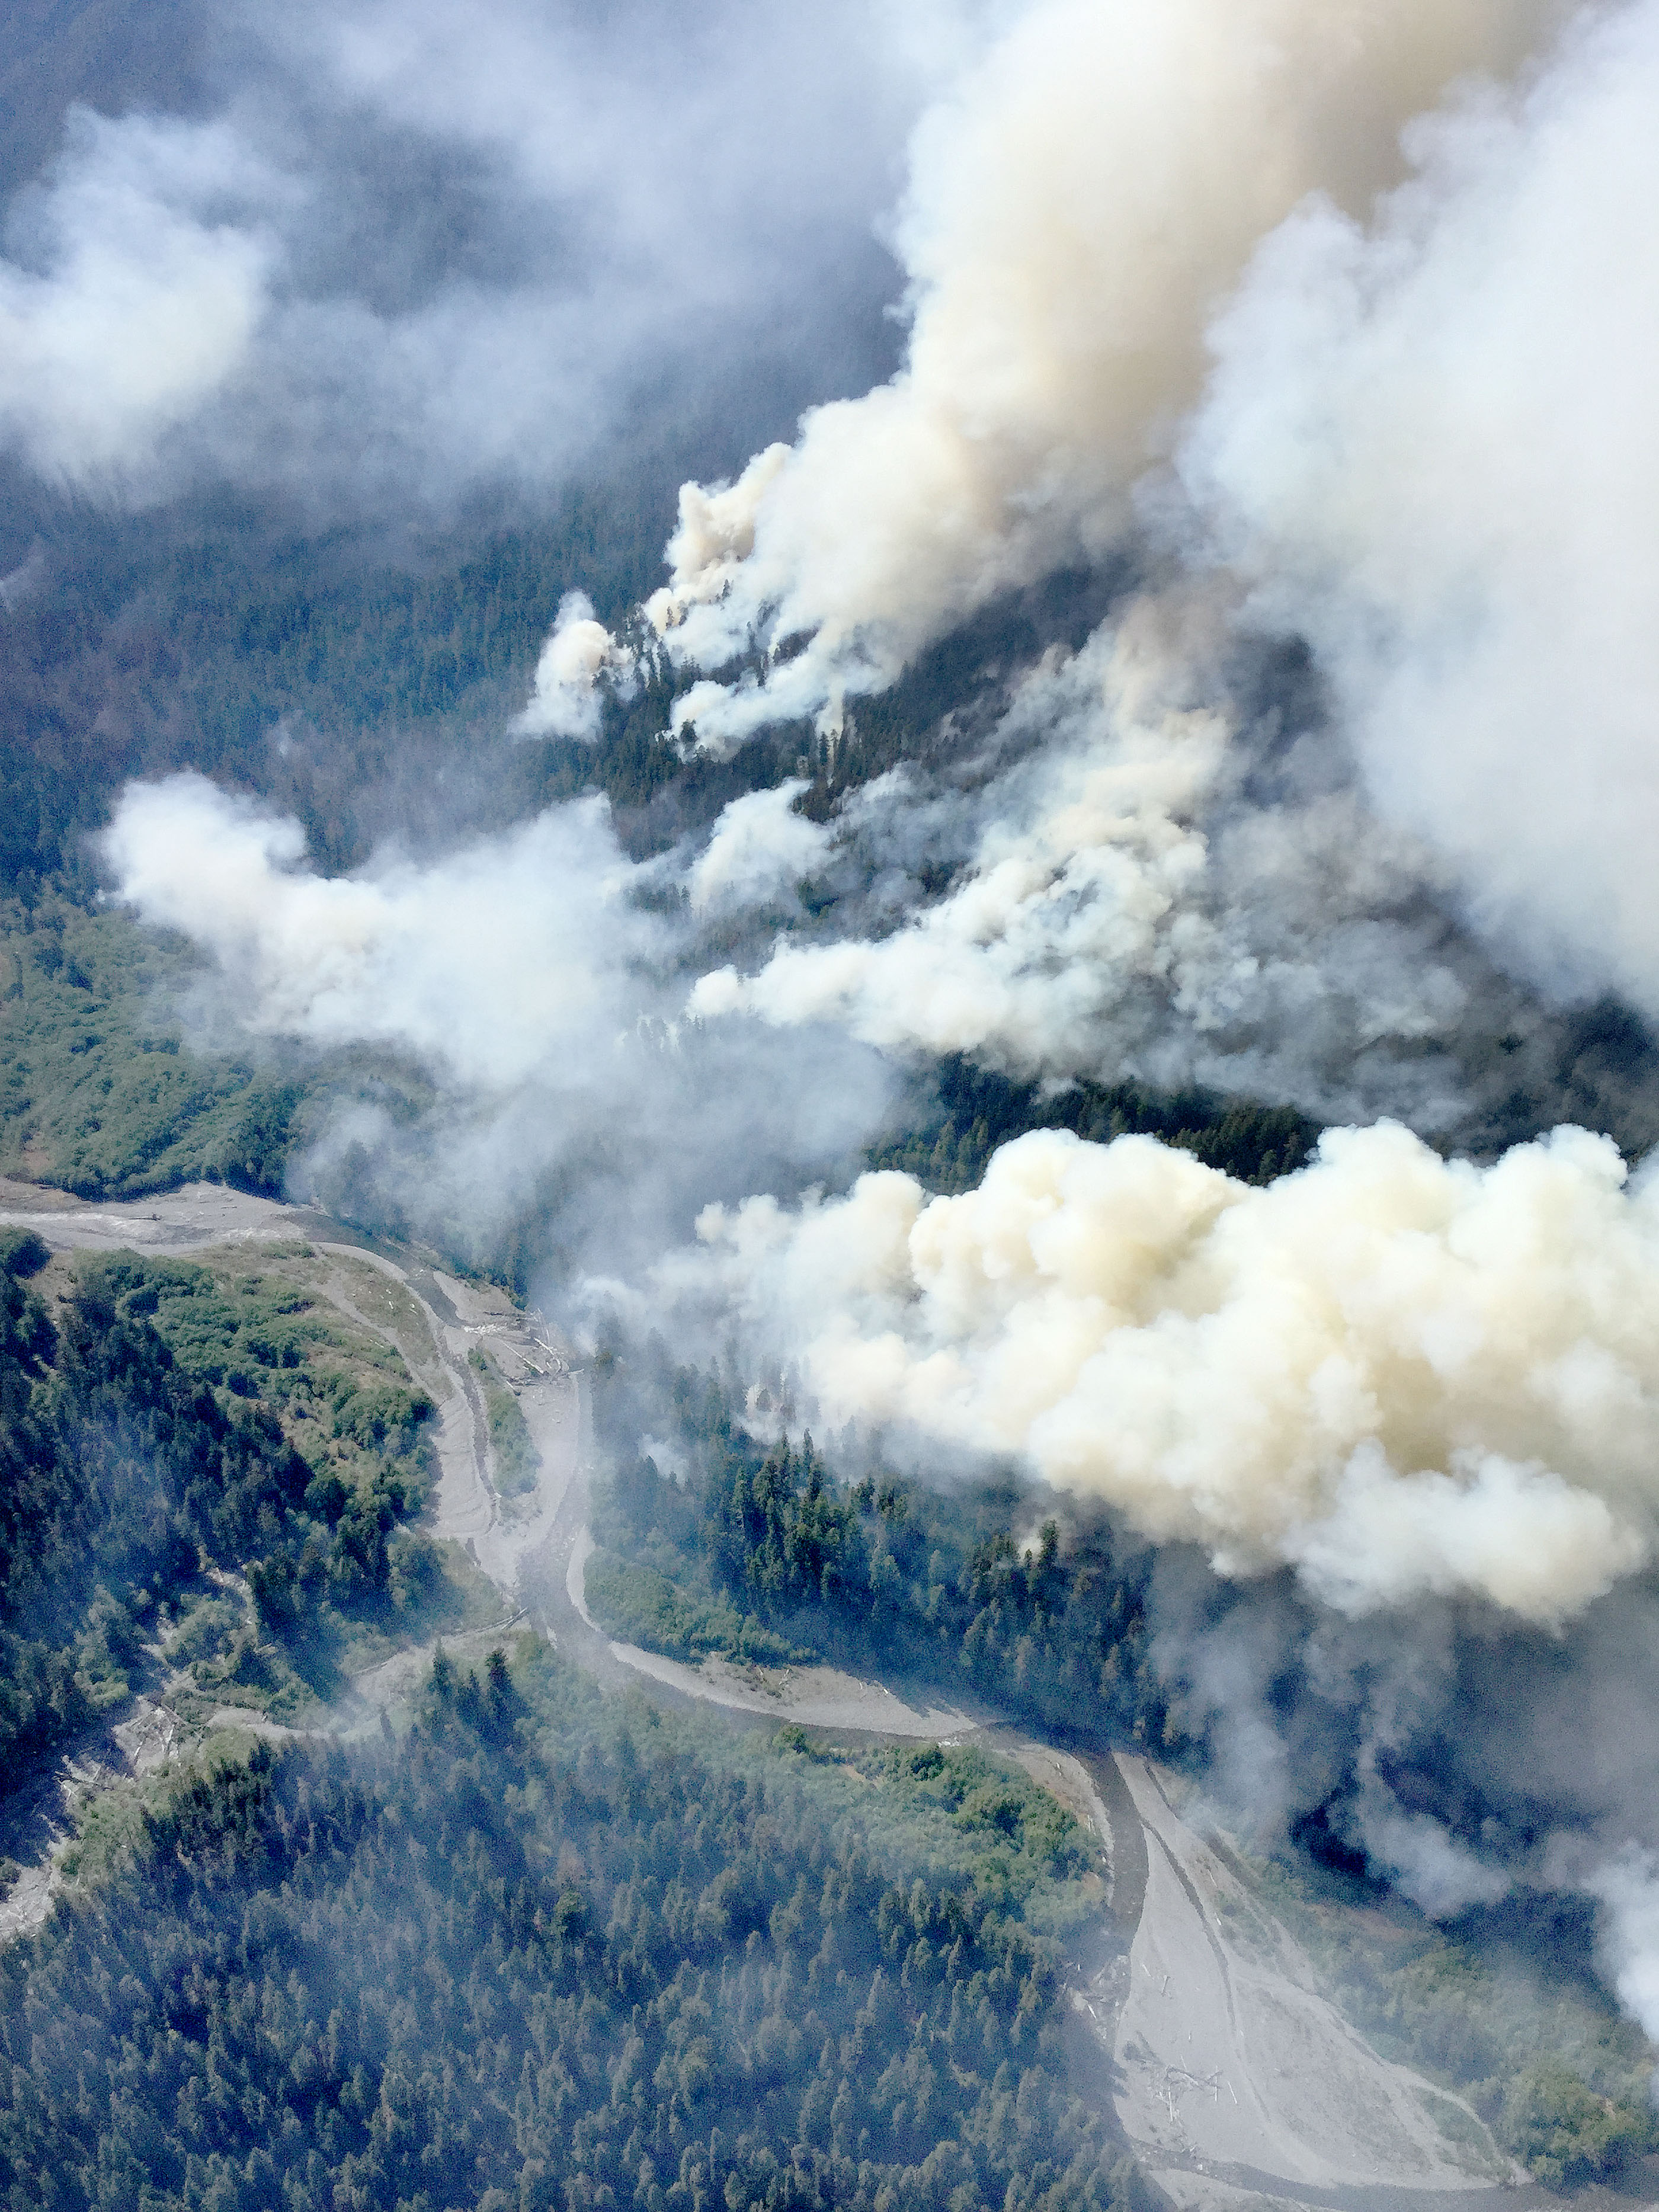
969,1111
764,1553
151,1491
101,1091
545,1953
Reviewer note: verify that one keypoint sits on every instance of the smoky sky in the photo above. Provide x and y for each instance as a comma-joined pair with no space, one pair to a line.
374,258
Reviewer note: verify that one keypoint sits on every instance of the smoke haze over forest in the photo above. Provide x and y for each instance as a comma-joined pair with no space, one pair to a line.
1162,594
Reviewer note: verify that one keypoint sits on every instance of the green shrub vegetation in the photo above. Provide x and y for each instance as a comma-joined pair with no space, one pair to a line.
643,1606
550,1954
98,1090
517,1462
151,1488
1567,2134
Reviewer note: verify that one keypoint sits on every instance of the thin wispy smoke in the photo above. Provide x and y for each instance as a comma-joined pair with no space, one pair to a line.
407,255
1121,902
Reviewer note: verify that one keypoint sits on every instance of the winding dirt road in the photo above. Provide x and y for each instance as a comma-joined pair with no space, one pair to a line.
435,1323
1236,2080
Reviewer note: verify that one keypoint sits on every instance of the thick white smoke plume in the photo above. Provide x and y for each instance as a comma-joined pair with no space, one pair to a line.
565,702
1078,207
518,957
1399,1375
1433,445
1429,444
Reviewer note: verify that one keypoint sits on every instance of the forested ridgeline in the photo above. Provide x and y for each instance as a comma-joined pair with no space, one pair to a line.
764,1553
547,1955
968,1111
231,1490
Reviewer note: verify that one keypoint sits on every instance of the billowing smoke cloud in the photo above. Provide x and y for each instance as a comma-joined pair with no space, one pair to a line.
1077,208
1399,1375
530,978
508,960
412,254
760,846
565,701
1433,444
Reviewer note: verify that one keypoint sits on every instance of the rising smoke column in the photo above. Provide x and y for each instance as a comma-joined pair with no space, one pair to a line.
565,699
1431,448
1077,208
1428,445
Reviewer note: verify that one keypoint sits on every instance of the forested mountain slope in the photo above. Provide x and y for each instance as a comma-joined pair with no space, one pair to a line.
547,1955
